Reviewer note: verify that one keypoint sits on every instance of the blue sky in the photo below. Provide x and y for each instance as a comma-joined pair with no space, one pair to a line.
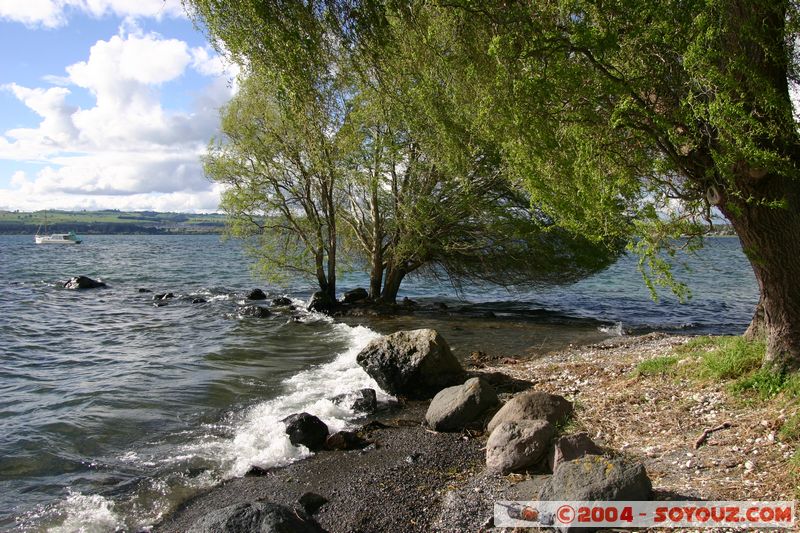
106,104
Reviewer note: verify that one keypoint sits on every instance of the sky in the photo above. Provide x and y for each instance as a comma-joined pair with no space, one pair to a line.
107,104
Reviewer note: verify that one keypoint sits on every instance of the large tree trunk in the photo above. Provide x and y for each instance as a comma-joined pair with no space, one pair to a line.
758,325
770,238
391,285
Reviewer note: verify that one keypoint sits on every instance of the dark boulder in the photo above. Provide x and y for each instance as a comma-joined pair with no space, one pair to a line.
281,301
355,295
361,401
416,364
254,311
594,477
345,440
575,446
517,445
454,408
144,290
256,294
321,303
256,517
311,502
306,430
533,405
83,282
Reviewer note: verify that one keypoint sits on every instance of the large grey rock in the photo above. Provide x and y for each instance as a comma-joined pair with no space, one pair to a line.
455,407
533,405
595,477
416,364
83,282
575,446
256,517
306,430
516,445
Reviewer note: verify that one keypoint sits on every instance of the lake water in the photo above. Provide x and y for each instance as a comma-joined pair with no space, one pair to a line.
114,410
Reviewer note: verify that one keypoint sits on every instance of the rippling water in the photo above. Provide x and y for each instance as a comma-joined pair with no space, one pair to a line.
114,410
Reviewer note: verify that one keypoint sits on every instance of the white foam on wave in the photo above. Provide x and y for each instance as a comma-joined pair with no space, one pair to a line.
616,329
87,514
259,437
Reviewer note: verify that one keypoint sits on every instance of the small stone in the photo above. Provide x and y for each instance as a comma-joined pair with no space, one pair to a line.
748,465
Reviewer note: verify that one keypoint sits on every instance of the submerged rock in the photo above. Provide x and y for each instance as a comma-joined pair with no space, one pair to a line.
321,303
594,477
163,296
362,401
455,407
533,405
355,295
415,364
144,290
281,301
516,445
254,311
256,294
256,517
306,430
83,282
199,300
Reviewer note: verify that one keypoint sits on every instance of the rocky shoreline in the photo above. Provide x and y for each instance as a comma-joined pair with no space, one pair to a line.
412,478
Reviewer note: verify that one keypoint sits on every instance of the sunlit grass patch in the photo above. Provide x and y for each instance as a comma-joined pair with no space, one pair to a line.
656,366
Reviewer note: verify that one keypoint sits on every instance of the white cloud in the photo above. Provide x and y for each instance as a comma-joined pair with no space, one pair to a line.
126,151
54,13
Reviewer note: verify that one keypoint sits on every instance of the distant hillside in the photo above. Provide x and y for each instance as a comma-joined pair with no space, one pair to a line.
110,221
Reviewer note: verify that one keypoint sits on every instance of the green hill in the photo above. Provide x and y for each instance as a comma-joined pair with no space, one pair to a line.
110,221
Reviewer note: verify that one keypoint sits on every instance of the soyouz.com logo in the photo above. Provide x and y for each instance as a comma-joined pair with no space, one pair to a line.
697,514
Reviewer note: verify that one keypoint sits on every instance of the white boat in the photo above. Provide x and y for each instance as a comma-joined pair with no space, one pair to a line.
58,238
55,238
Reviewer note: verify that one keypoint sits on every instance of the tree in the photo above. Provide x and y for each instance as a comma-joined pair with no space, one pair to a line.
657,112
280,166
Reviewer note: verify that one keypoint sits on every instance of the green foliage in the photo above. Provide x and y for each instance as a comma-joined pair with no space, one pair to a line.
790,431
731,358
656,366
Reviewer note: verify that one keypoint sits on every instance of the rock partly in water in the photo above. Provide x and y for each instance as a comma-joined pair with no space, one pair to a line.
83,282
321,303
361,401
570,447
311,502
455,407
199,300
306,430
256,294
533,405
595,477
163,296
355,295
345,440
281,301
517,445
254,311
144,290
256,517
416,364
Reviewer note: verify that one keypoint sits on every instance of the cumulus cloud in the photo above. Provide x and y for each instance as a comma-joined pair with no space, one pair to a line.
55,13
126,151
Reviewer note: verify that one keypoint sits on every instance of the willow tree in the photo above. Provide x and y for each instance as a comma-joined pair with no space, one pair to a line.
278,162
312,112
671,112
